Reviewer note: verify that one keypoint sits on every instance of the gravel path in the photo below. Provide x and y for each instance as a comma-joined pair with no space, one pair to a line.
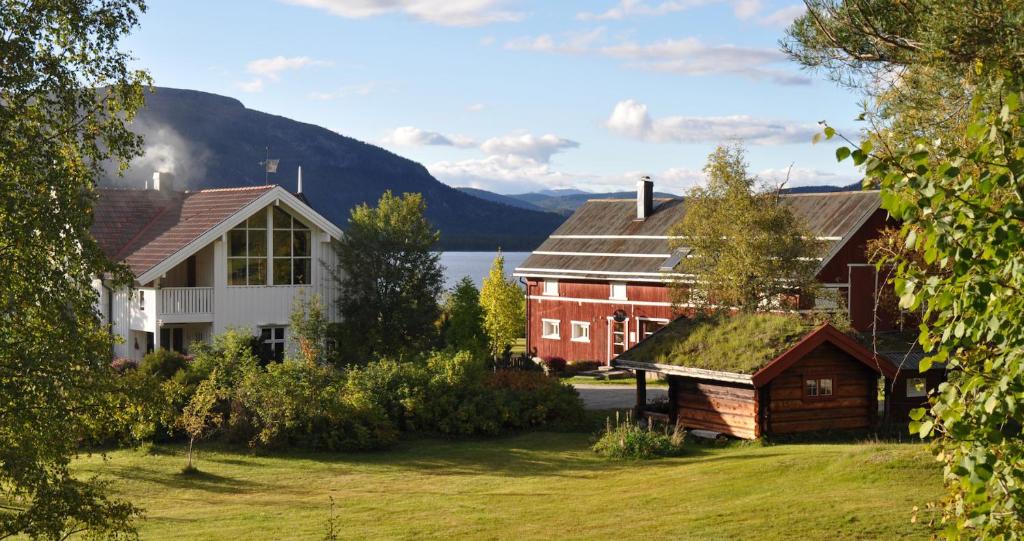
604,397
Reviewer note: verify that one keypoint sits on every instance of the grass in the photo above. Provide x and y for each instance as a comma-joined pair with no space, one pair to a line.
529,486
742,343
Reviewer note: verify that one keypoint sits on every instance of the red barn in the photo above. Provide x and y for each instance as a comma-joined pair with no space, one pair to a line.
600,283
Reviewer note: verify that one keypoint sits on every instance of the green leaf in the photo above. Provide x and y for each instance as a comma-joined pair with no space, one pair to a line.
842,153
990,404
917,413
925,429
829,132
815,138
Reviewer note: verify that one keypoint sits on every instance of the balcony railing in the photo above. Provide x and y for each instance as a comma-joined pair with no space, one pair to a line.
185,301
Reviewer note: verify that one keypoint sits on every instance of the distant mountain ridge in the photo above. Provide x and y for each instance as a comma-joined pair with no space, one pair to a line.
212,141
565,202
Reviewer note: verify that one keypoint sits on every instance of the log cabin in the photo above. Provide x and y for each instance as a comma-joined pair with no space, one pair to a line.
601,282
760,375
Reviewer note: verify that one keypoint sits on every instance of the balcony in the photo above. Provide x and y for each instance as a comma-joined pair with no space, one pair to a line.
184,304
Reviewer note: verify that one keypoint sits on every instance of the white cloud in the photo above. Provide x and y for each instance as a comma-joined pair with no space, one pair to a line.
628,8
631,118
689,56
475,108
574,42
502,173
361,89
803,176
409,136
539,149
443,12
746,9
254,85
686,56
271,68
783,17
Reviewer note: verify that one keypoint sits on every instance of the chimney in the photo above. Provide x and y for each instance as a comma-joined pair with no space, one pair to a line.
644,198
299,190
163,181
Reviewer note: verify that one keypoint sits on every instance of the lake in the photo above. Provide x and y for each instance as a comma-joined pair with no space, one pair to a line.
476,265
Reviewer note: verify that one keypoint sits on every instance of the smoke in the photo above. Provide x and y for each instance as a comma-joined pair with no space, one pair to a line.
167,151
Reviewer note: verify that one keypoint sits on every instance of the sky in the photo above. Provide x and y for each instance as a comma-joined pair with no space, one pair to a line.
516,96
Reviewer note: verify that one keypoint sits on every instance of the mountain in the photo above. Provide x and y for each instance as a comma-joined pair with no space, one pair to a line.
856,186
499,198
212,141
566,204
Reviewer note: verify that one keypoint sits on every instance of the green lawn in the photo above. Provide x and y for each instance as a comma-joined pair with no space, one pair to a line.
531,486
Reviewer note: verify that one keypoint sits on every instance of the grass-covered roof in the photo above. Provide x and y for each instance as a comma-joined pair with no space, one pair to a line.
741,343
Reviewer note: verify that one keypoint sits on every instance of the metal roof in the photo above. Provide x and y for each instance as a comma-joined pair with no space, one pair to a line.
604,240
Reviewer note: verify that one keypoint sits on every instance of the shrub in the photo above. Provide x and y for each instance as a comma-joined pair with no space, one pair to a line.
629,440
163,363
294,403
577,367
554,365
390,386
530,399
122,365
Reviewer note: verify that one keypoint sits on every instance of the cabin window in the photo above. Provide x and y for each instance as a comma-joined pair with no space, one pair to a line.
550,329
818,387
292,255
580,331
272,344
618,292
551,287
247,252
916,388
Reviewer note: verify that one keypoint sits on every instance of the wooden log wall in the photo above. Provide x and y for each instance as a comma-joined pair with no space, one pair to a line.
853,404
729,408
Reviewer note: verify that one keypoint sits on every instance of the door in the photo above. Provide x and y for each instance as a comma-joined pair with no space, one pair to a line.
618,339
172,338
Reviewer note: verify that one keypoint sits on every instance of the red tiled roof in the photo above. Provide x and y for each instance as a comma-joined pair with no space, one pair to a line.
144,227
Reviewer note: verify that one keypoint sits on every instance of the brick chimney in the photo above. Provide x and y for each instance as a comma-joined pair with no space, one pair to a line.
644,198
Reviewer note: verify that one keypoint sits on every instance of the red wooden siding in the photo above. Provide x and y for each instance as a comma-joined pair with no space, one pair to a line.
589,302
900,404
729,408
854,400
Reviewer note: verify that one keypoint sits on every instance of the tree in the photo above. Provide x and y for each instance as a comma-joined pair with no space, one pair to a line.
68,95
198,418
945,147
744,247
504,307
389,280
463,326
962,206
309,328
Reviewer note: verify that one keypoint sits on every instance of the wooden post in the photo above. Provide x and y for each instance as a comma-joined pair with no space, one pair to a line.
641,393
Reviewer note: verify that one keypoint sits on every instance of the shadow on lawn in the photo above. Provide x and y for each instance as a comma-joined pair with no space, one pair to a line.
198,480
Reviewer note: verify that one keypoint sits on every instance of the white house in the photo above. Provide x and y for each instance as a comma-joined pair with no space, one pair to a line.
208,260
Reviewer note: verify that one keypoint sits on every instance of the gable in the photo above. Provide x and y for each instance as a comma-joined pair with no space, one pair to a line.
826,334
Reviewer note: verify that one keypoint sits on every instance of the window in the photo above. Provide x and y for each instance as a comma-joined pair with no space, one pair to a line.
618,337
142,300
173,339
916,388
247,252
618,292
551,287
291,250
580,331
272,342
550,329
649,327
818,387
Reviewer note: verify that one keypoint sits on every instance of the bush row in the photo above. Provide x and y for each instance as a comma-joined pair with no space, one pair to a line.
314,406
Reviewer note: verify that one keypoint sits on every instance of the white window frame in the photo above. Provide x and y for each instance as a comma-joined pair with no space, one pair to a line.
611,337
583,336
914,393
622,296
639,323
273,341
555,324
549,288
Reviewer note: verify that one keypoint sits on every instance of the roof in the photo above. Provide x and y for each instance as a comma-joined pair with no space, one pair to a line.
603,239
900,348
744,348
143,228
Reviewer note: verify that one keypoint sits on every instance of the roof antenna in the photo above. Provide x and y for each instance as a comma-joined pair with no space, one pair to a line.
300,180
269,166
